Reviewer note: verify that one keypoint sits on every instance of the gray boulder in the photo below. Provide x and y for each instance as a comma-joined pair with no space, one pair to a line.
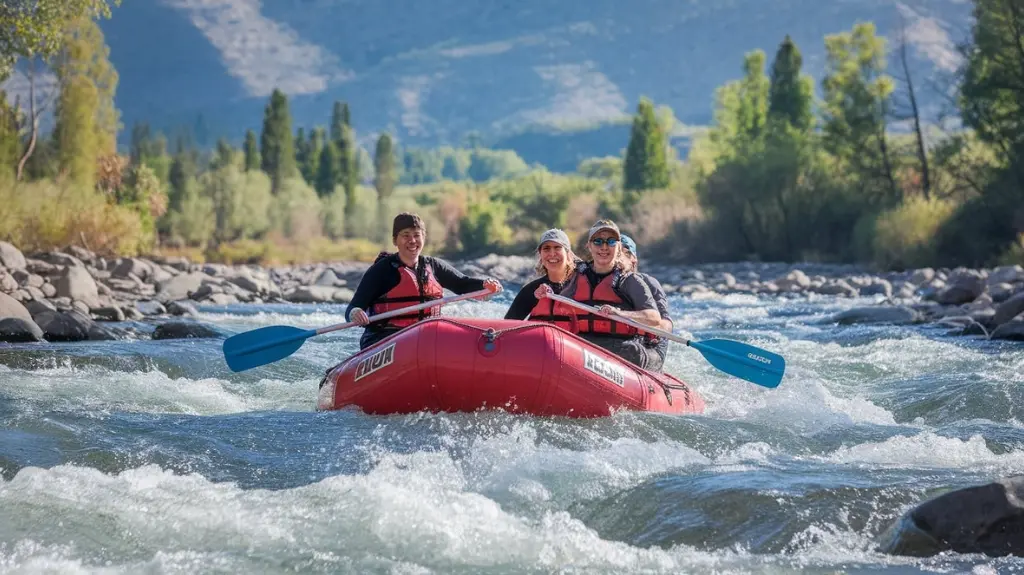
985,519
11,257
10,307
18,330
77,284
880,314
185,330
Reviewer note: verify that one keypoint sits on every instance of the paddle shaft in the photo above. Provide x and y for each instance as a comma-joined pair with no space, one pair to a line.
406,310
619,318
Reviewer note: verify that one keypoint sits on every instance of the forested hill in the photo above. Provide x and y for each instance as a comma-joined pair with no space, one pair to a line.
545,78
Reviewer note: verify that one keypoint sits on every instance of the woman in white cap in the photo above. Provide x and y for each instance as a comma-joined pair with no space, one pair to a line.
607,283
556,263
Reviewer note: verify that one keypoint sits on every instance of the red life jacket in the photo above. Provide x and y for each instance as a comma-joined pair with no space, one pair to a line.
605,292
412,289
544,311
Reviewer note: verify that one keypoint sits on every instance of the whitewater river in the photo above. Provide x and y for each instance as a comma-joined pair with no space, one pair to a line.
152,457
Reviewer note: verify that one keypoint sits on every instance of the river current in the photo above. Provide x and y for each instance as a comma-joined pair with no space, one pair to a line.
143,456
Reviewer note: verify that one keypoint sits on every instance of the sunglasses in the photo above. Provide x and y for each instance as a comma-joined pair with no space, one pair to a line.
602,241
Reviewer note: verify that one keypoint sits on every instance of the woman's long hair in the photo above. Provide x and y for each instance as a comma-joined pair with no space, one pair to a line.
571,259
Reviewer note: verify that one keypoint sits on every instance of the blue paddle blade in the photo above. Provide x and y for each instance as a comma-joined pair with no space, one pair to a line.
264,345
744,361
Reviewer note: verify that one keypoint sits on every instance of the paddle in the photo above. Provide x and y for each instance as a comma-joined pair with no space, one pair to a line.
744,361
272,343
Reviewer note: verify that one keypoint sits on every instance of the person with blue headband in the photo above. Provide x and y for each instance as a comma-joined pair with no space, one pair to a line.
659,344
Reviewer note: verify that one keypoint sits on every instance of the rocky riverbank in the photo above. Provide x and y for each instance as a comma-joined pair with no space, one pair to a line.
73,294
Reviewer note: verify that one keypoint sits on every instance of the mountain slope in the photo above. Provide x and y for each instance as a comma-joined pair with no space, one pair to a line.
431,72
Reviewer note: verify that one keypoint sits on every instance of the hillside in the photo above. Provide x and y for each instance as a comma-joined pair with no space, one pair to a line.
517,72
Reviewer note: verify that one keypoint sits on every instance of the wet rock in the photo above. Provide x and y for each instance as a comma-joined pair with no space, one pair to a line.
1012,330
149,307
77,284
985,519
182,308
1002,291
19,330
1009,309
64,326
39,306
185,330
880,314
111,313
11,257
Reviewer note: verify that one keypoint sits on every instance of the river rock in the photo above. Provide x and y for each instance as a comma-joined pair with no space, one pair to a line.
836,287
77,284
922,276
26,278
81,253
128,267
794,280
1002,291
49,290
183,307
19,330
64,326
963,287
985,519
42,268
150,307
880,314
108,313
1006,274
316,294
12,308
37,307
1009,309
11,257
185,330
328,278
59,259
180,287
1011,330
8,284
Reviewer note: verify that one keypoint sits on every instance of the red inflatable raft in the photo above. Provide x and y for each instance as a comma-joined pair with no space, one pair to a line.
459,364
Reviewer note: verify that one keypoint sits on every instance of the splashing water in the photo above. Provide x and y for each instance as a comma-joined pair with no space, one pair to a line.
152,456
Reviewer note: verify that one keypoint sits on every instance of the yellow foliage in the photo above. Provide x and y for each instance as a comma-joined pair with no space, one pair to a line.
903,237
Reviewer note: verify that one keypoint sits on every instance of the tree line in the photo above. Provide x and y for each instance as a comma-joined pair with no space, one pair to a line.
788,170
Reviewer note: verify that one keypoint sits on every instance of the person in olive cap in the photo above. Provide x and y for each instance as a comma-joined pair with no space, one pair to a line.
607,283
404,279
659,344
556,264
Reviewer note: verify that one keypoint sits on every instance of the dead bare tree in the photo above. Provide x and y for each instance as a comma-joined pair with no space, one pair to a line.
914,113
36,108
